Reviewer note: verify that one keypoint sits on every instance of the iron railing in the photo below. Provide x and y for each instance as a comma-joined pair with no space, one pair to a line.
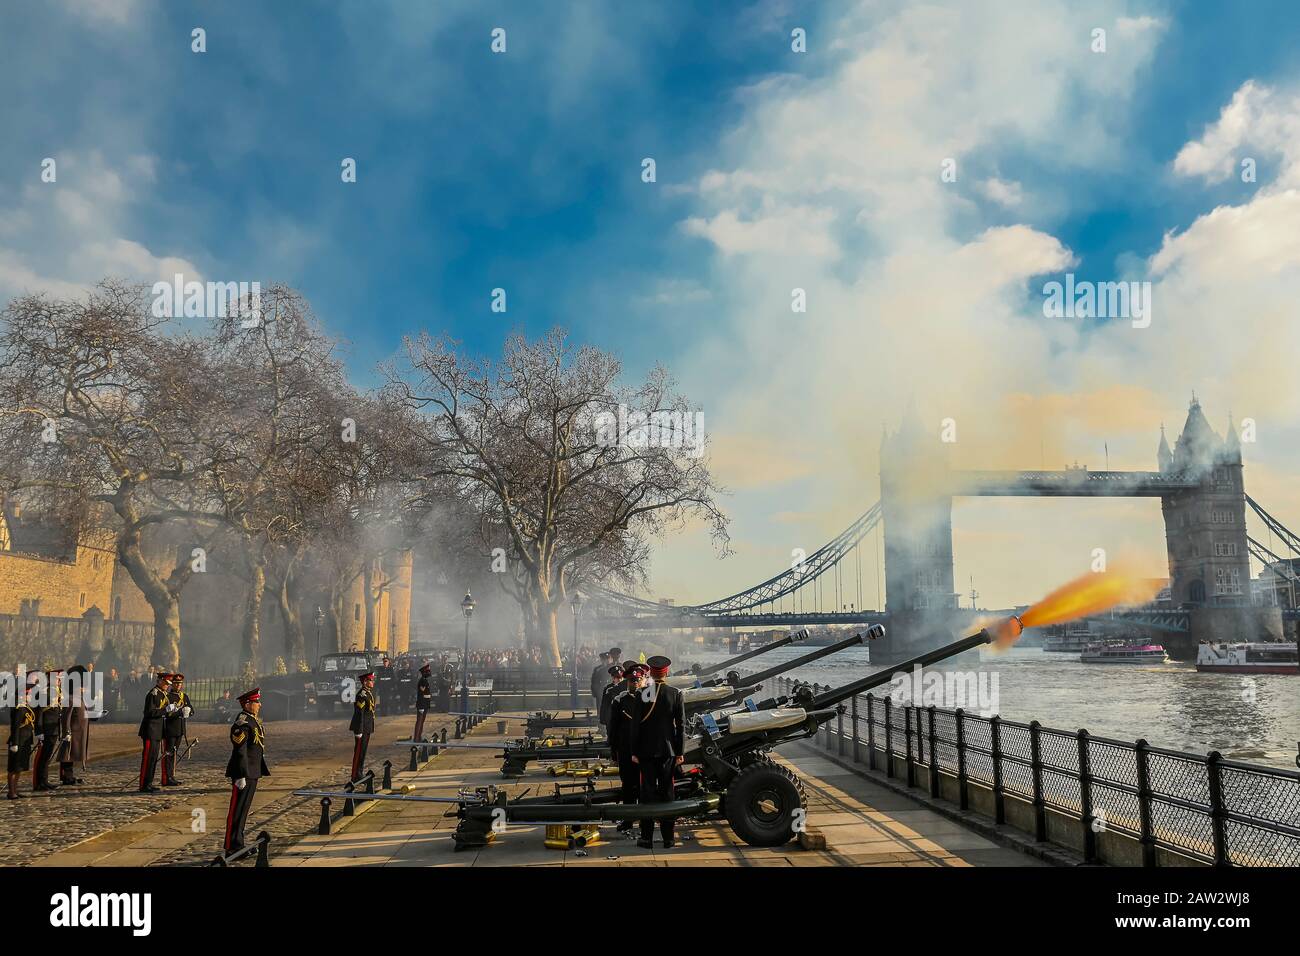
1218,811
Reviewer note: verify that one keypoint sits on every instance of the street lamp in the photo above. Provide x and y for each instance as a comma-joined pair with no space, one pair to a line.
467,608
575,605
320,620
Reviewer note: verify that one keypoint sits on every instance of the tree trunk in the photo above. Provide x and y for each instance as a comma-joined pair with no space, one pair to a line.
294,641
367,591
337,613
253,615
162,600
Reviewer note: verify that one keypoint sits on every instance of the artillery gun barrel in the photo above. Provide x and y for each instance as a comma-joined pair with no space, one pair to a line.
837,694
874,631
707,669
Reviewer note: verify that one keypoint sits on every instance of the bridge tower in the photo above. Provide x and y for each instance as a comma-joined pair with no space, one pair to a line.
916,505
1205,533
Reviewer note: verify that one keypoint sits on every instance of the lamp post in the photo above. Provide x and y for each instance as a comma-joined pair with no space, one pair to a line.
467,608
320,620
575,605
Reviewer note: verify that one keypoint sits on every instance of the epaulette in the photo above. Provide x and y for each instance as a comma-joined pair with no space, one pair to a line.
242,718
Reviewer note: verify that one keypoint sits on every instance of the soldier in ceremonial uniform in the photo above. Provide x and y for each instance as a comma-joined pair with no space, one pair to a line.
363,722
22,737
156,708
174,728
247,765
620,740
49,721
423,699
658,740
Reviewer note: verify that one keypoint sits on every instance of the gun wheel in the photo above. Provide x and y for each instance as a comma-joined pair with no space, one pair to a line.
763,803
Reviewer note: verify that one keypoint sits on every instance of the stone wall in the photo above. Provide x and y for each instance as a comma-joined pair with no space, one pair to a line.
64,588
42,643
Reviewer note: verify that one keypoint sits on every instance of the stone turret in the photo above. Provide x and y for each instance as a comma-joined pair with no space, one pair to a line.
1164,457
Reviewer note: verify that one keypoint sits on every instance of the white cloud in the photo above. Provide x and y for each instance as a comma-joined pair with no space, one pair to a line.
70,232
1259,122
1008,194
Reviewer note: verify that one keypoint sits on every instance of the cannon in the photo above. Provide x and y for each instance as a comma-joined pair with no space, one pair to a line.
730,771
537,724
517,754
699,675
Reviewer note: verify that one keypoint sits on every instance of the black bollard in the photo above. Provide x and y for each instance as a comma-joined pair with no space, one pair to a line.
347,804
370,781
263,845
324,828
444,736
414,766
388,775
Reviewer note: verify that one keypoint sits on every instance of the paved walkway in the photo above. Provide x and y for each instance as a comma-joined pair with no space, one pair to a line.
864,825
106,823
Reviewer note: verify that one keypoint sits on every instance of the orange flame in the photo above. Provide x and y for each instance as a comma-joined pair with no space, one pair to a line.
1088,594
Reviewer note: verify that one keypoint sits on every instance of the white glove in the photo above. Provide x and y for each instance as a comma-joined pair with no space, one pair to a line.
358,736
67,738
39,737
186,711
13,748
241,783
169,708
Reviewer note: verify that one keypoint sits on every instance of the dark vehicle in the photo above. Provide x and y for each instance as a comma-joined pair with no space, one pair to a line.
334,674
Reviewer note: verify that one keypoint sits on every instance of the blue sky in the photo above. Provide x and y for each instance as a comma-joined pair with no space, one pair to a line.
775,170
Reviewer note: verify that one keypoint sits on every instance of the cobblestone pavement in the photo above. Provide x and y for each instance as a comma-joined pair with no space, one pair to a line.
104,820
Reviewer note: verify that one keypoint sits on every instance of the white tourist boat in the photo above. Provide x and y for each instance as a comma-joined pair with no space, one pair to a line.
1274,657
1124,654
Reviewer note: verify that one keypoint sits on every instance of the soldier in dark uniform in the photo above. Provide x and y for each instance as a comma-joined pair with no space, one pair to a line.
49,721
156,708
386,695
658,731
600,677
247,765
74,728
613,688
22,737
363,722
423,700
444,688
620,739
174,728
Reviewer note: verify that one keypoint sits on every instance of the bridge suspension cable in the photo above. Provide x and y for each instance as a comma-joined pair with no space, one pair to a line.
774,589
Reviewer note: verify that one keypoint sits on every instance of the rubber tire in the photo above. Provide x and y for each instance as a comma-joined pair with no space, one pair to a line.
776,784
765,758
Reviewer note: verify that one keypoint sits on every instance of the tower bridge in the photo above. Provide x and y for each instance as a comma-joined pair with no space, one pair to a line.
1199,482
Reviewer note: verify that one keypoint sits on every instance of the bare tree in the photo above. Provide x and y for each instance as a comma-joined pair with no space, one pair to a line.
100,405
268,443
538,445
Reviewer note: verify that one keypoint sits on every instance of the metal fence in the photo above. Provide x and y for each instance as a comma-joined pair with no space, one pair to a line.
1218,811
